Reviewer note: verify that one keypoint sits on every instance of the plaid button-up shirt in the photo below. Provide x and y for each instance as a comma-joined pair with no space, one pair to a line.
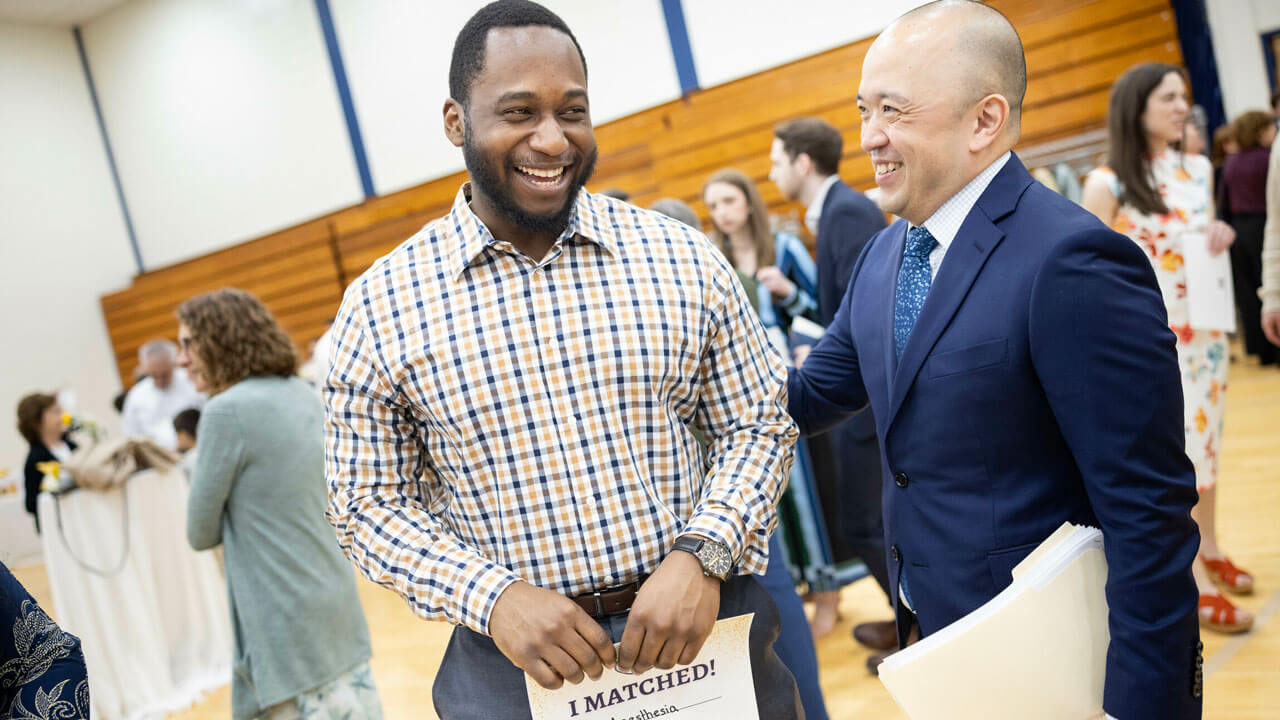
491,418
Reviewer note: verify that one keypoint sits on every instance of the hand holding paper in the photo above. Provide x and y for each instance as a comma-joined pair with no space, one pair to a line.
1219,236
1210,298
674,612
548,636
718,684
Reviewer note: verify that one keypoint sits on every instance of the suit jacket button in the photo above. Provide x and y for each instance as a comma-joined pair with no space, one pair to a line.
901,480
897,556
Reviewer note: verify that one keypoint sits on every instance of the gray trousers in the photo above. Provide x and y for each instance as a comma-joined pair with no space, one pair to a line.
477,682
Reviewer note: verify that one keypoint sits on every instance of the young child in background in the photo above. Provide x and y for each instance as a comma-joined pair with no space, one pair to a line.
184,425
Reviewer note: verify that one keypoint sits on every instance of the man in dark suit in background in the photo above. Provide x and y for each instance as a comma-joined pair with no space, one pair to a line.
1018,357
804,164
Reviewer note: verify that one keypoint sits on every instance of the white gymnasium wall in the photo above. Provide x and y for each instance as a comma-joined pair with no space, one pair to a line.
397,55
62,237
735,38
1267,15
1235,27
227,125
224,119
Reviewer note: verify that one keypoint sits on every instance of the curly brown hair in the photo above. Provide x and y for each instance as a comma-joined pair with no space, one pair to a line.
236,337
31,415
1250,127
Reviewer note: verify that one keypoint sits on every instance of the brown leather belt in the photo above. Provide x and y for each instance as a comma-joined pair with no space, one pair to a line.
610,601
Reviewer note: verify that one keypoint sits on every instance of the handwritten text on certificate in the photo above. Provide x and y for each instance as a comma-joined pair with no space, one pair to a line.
717,685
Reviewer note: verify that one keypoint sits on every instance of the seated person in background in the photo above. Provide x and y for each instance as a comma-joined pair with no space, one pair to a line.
40,422
184,427
152,403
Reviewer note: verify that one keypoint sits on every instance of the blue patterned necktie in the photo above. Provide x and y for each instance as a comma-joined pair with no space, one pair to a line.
913,285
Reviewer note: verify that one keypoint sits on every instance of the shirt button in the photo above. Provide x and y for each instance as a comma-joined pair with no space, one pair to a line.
897,556
901,480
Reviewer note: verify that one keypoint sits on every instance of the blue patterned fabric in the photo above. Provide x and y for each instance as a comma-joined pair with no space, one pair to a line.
42,671
913,284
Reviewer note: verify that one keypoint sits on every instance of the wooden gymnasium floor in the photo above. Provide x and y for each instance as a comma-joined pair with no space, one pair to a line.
1242,673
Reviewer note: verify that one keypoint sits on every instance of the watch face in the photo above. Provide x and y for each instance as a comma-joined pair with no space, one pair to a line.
715,558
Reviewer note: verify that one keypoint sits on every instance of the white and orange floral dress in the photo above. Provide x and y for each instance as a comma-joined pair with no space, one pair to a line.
1183,183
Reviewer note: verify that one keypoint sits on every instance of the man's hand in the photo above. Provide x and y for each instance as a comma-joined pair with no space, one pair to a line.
779,286
1271,326
1220,236
673,614
548,636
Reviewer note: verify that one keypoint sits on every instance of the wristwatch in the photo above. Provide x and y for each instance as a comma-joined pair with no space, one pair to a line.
714,556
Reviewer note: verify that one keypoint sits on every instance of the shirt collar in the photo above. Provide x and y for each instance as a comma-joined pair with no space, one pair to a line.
945,223
813,213
471,236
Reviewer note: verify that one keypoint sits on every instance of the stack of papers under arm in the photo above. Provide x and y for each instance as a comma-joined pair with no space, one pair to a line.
1036,650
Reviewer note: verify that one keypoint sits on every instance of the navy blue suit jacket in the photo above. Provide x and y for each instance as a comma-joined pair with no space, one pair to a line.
847,222
1040,385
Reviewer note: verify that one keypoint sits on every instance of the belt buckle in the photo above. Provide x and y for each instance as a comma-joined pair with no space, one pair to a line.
597,596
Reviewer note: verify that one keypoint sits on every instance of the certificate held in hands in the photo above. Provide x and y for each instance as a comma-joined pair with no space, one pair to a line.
1036,650
717,685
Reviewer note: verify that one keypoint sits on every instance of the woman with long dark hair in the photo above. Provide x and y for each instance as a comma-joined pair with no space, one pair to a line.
258,489
1163,199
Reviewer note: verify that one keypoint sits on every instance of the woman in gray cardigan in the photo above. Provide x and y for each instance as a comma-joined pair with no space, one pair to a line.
301,643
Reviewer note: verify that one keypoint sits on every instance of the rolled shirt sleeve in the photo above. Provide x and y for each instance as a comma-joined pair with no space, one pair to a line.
377,471
743,411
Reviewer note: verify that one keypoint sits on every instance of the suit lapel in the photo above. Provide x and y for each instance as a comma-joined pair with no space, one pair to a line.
825,240
977,239
897,240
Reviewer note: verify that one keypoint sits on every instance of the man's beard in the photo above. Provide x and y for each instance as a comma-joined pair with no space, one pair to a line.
485,177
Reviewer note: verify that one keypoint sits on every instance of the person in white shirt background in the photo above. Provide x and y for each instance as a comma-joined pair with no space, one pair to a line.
152,404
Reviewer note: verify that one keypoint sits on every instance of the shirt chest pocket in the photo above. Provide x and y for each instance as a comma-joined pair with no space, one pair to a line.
992,353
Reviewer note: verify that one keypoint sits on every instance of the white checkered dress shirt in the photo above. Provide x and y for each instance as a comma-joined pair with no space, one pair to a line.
491,418
945,222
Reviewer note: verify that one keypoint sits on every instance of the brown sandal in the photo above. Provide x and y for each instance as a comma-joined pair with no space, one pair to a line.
1218,614
1227,576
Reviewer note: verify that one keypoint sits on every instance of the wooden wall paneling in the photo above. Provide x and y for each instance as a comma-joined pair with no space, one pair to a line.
1075,49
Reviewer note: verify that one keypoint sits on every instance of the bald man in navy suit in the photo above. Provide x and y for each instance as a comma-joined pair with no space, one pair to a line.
1018,358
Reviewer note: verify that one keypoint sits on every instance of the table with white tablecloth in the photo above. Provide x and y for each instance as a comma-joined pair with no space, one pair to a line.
151,613
19,542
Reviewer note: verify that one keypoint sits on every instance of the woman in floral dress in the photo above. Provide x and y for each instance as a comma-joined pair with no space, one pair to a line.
1161,199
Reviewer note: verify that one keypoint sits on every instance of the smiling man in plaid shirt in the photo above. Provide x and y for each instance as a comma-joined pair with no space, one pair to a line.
511,397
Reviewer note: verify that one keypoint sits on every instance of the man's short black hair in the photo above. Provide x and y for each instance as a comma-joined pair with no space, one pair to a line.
186,421
468,49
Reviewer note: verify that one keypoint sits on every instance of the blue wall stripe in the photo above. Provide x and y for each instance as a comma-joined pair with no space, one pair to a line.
681,50
106,144
1197,54
1269,52
344,94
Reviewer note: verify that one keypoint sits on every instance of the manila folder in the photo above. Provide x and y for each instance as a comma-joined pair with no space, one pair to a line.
1036,650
